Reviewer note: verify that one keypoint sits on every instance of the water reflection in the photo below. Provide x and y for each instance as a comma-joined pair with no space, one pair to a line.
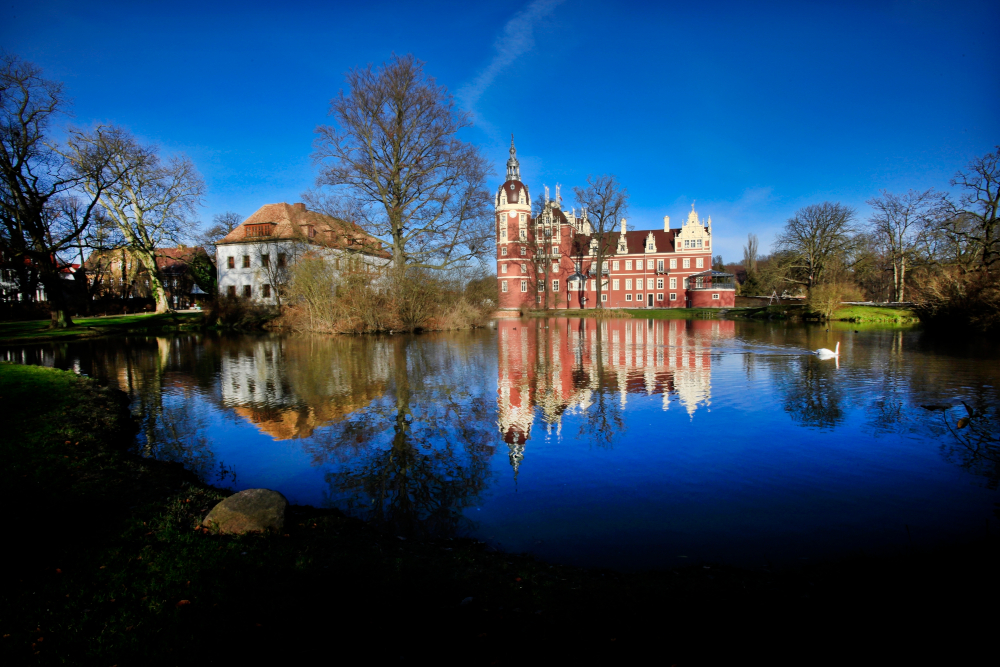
612,442
575,366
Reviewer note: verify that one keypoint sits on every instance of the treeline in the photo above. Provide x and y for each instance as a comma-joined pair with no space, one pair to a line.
940,251
320,298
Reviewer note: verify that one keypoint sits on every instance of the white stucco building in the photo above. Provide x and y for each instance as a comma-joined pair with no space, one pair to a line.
253,259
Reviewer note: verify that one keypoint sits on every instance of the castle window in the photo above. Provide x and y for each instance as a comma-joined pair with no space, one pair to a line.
659,284
699,263
523,234
628,265
281,260
659,297
503,234
503,251
614,265
555,285
246,261
673,297
628,284
503,268
715,297
523,270
522,219
604,297
659,265
541,285
524,285
231,262
614,284
649,264
266,291
503,285
523,251
673,264
673,283
628,297
687,262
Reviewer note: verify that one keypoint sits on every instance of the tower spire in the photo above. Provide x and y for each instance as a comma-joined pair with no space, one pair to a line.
513,167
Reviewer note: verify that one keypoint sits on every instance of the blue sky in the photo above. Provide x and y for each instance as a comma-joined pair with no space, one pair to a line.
752,109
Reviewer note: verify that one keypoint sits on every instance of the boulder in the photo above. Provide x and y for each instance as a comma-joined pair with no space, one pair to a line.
248,511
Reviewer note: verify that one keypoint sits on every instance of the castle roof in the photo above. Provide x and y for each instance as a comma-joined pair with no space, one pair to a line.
513,189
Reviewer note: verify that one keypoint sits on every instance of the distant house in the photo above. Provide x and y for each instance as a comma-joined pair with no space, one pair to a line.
254,259
117,274
13,275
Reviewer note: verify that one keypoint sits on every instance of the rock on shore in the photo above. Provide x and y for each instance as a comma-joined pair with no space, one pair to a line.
252,510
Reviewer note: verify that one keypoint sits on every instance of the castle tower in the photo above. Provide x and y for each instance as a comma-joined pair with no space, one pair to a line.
513,217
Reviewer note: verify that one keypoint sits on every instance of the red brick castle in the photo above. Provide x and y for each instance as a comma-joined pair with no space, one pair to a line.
547,260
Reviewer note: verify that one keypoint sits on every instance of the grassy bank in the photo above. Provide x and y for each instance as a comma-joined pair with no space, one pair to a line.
875,314
108,569
86,327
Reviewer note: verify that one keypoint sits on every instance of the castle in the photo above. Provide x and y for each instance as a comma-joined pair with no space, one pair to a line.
548,260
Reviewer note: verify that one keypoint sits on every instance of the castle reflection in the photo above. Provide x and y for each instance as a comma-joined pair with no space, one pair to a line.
589,367
289,387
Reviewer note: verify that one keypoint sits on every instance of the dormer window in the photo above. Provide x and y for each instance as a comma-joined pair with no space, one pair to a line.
257,231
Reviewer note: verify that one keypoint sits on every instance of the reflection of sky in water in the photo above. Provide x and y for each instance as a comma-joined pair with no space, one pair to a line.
633,442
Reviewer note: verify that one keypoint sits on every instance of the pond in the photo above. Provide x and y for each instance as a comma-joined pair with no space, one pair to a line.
633,443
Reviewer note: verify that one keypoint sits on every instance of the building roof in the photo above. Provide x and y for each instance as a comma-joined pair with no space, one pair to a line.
294,221
635,241
170,260
513,190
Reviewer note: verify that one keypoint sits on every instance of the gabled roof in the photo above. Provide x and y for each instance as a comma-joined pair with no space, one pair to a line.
635,241
295,221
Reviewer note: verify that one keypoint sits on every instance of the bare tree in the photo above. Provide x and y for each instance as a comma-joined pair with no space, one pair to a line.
222,224
750,255
896,224
395,151
149,199
814,238
39,217
605,202
977,207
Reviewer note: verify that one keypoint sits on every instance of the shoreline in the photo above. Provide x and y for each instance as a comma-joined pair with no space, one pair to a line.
107,546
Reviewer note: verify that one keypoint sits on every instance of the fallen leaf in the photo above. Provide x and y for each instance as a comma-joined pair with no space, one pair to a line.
183,603
963,422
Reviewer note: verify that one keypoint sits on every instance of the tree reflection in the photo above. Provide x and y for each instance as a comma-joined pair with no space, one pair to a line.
813,396
604,419
419,454
973,440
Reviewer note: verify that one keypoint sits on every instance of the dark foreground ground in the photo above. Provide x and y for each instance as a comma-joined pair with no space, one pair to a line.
103,566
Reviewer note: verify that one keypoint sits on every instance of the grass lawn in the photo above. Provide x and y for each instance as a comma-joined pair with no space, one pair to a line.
875,314
104,567
37,330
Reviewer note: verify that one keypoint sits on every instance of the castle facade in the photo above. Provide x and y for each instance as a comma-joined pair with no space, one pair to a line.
547,260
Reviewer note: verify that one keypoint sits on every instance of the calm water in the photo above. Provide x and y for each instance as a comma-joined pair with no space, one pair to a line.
624,443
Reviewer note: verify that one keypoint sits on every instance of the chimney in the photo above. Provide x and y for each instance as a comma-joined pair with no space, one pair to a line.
300,207
666,223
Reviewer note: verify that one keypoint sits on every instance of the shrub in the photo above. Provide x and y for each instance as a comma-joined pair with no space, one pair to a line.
230,312
825,299
969,301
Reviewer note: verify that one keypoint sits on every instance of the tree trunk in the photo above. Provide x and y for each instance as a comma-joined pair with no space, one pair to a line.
58,305
902,279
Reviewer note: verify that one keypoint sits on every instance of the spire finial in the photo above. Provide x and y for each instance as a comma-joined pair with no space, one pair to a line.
692,204
513,168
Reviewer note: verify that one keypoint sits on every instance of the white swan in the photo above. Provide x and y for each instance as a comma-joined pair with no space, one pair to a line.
824,353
